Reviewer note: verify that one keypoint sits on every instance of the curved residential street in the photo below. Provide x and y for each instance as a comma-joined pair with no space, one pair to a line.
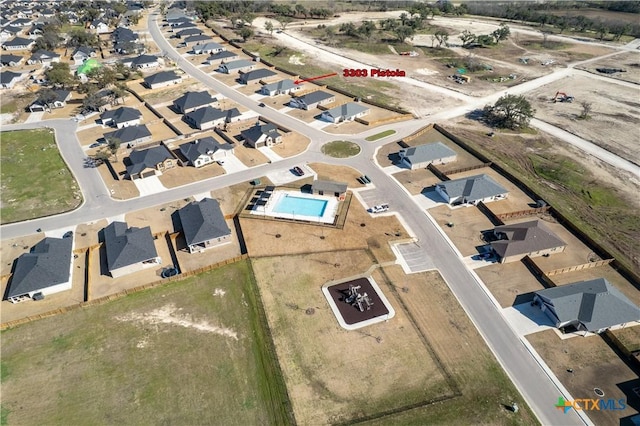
539,387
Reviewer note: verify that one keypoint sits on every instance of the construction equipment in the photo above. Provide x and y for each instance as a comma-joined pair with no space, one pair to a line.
411,53
562,97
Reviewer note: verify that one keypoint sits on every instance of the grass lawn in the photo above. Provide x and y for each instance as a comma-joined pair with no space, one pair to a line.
191,352
35,179
8,107
340,149
380,135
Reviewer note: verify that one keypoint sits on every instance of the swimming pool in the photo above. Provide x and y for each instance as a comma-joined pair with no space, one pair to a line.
301,206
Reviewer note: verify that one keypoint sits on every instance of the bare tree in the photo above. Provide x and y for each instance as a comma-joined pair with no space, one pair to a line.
586,109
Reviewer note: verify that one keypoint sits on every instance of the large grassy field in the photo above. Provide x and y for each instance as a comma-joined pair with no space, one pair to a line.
191,352
35,179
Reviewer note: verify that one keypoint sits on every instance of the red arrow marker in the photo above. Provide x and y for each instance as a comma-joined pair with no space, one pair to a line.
314,78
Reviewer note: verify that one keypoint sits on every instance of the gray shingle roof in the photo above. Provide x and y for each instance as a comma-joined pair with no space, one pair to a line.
197,38
595,303
18,41
189,31
313,97
193,100
472,188
328,186
240,63
256,75
428,152
523,238
202,221
204,146
47,264
144,59
121,115
43,54
161,77
147,158
281,85
129,134
254,133
209,114
208,46
222,55
347,110
8,59
7,77
126,246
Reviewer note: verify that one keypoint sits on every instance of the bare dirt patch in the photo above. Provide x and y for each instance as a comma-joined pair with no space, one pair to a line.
121,189
629,62
614,118
507,281
594,365
468,224
346,174
417,181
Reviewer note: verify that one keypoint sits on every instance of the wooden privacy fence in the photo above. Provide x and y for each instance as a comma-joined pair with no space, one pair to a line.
120,294
579,267
484,209
418,133
403,117
537,272
524,213
436,171
466,169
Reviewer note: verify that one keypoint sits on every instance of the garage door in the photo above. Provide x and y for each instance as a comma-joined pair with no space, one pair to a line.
147,174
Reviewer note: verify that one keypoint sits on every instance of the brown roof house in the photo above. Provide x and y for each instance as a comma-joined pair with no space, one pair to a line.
525,239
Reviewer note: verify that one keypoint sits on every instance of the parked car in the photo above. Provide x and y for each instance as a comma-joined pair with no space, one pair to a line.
297,170
94,145
379,208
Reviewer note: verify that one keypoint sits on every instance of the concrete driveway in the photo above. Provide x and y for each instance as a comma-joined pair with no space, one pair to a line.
149,185
232,165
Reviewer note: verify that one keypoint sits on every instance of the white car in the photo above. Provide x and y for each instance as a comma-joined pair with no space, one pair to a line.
379,208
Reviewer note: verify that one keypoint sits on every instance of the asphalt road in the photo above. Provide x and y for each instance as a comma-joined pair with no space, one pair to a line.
538,389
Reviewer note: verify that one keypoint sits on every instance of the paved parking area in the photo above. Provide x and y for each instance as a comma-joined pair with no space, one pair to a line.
371,197
149,185
284,176
412,257
232,164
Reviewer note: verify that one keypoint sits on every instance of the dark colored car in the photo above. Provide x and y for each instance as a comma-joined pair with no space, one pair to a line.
297,170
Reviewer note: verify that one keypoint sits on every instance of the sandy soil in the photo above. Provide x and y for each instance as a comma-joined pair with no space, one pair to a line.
629,62
614,119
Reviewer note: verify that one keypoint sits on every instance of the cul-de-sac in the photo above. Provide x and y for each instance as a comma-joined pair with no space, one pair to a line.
319,212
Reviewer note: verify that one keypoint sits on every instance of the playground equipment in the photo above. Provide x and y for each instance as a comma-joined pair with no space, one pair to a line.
361,301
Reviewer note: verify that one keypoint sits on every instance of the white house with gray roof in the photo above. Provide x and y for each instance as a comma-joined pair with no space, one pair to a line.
587,306
45,270
236,66
162,79
224,56
471,190
205,151
531,239
204,225
345,112
262,135
312,100
121,117
129,250
282,87
210,47
419,157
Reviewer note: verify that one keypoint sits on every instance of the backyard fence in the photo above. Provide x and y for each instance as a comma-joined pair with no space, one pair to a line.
466,169
524,213
579,267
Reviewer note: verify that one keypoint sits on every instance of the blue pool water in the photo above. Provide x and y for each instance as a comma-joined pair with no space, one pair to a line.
301,206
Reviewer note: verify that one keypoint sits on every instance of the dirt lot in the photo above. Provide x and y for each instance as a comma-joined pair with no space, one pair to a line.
629,336
86,234
508,281
183,175
629,62
392,365
614,118
468,222
293,143
249,156
417,181
12,249
344,174
594,365
122,189
192,261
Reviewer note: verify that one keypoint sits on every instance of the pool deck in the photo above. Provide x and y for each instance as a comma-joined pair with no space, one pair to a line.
328,215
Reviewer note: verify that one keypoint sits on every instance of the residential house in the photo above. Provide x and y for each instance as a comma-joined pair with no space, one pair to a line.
204,225
236,66
282,87
129,250
312,100
419,157
205,151
62,96
9,32
21,22
195,39
189,32
327,187
142,62
345,112
533,238
10,60
36,29
162,79
210,47
18,43
178,21
83,53
191,101
471,190
99,26
208,117
150,162
121,117
262,135
256,75
587,306
45,270
43,57
224,56
130,136
9,78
